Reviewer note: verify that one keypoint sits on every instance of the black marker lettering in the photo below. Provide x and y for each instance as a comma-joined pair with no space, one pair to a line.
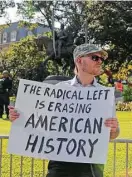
46,91
53,93
41,145
87,126
77,130
30,121
64,94
72,141
52,123
61,142
81,145
100,93
65,108
43,122
88,96
79,96
92,147
67,94
59,93
26,85
74,96
81,108
71,125
57,107
40,104
97,125
50,107
106,94
62,125
49,146
71,109
32,144
88,108
38,91
95,95
33,89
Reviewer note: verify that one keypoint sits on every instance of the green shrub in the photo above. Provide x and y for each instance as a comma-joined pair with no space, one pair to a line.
124,106
127,94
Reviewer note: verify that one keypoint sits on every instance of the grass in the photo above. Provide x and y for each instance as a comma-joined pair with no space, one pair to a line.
125,120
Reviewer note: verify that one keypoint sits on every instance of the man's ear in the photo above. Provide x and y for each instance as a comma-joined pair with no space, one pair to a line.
78,60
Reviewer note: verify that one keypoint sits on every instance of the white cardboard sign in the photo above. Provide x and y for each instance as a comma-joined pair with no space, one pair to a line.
62,123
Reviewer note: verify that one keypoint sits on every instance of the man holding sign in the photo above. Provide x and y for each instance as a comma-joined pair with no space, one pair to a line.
88,60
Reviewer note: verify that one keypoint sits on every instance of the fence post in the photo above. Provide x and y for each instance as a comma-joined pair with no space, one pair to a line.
126,159
114,163
0,157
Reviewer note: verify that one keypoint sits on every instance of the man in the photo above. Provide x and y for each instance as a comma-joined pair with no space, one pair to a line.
62,36
88,60
5,89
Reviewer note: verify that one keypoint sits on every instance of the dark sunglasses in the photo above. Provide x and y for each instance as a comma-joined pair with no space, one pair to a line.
97,58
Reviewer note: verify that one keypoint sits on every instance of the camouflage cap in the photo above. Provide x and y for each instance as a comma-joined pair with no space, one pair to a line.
85,49
5,72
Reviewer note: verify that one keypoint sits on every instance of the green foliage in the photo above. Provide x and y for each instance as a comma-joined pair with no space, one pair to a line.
23,60
103,79
108,23
123,72
28,25
122,106
127,94
65,12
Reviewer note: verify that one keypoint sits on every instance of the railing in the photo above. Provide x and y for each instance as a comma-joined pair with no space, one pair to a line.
126,141
44,163
41,172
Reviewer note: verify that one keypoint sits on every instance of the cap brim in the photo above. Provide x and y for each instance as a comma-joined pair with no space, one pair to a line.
103,53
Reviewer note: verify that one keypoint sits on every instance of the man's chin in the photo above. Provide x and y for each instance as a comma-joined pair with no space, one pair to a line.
98,73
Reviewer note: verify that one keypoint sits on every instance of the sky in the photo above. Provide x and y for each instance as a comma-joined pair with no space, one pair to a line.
11,15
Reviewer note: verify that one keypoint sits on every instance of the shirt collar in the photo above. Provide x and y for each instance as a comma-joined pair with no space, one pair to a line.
75,82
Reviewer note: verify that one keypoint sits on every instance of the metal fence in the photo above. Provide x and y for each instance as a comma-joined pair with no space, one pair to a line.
42,172
127,142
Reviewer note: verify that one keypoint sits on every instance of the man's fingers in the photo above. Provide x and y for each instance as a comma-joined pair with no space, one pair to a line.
11,111
111,119
11,107
113,129
112,123
13,118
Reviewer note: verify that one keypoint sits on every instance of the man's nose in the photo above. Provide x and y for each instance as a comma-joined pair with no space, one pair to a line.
100,61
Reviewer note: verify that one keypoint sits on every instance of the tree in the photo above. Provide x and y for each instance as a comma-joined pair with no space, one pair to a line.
109,22
23,60
64,12
109,25
5,5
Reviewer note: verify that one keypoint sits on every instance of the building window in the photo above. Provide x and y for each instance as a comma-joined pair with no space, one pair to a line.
4,37
30,33
13,35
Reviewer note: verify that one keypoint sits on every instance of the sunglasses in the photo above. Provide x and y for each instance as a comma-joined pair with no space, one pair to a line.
97,58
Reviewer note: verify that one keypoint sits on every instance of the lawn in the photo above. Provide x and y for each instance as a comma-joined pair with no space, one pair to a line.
125,120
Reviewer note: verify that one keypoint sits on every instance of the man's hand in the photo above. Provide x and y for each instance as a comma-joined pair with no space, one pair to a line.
113,124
